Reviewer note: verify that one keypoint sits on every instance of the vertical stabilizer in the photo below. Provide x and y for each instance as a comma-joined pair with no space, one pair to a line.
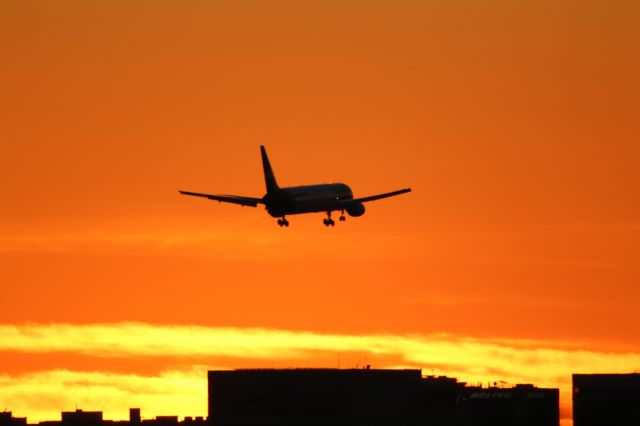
269,178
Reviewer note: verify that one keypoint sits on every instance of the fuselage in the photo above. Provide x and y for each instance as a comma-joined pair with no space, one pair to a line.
307,199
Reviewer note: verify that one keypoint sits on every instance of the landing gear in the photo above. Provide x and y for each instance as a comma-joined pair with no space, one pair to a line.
283,222
328,221
342,217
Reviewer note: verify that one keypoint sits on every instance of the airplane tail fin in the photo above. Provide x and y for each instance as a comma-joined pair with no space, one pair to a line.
269,178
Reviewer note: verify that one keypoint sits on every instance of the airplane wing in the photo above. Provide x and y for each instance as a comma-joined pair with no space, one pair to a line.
223,198
379,196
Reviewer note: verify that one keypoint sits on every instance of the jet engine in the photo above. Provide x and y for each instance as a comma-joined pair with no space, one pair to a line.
356,210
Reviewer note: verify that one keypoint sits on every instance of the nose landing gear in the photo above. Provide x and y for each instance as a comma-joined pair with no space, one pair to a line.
283,222
342,217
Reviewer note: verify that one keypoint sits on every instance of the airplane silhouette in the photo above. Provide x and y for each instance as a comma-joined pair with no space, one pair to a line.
280,202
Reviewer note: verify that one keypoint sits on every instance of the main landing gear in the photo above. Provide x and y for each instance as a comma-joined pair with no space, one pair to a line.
283,222
329,222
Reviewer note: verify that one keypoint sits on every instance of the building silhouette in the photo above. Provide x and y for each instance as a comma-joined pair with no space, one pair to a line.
95,418
522,405
447,402
135,418
606,399
7,419
440,400
315,397
371,397
81,418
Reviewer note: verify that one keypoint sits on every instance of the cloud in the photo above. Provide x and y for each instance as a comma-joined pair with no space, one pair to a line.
547,364
198,241
43,395
138,339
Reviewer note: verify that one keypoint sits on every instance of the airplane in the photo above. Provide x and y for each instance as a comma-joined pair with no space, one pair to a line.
280,202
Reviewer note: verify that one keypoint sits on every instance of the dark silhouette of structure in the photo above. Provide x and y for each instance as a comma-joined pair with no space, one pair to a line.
280,202
95,418
523,405
315,397
440,400
371,397
135,417
7,419
447,402
166,421
606,399
81,418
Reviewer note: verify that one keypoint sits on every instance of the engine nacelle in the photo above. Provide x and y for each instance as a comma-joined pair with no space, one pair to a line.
356,210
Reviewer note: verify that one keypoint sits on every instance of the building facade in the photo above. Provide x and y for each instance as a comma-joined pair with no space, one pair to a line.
606,399
315,397
521,405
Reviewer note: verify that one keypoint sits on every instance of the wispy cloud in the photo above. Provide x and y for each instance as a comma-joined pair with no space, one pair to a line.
228,243
42,395
470,359
138,339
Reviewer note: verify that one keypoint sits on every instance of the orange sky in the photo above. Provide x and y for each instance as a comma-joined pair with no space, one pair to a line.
516,124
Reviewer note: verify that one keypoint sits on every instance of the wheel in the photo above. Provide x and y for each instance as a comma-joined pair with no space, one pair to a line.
342,218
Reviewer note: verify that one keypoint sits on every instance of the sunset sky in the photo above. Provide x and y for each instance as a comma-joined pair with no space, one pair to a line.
516,257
